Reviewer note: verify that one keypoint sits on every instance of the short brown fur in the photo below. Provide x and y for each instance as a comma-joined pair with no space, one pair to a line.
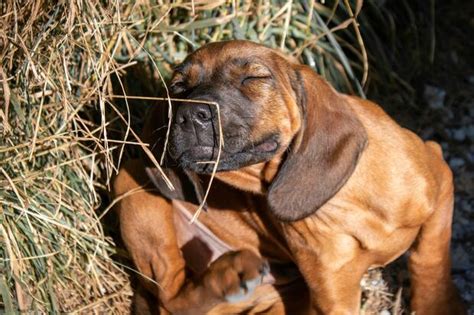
347,189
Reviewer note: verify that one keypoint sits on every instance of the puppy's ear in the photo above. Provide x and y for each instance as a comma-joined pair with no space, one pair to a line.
324,153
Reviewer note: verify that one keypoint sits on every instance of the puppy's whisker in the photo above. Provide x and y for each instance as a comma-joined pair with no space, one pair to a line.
153,146
158,129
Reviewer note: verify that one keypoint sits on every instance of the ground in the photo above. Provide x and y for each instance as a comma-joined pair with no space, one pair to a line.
441,107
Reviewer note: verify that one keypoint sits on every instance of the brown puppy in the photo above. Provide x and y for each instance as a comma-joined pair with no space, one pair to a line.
321,185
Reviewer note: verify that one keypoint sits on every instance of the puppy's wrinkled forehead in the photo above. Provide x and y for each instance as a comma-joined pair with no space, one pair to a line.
217,60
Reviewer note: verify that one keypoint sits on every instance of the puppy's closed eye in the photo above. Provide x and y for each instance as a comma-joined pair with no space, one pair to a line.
251,78
255,72
178,87
178,84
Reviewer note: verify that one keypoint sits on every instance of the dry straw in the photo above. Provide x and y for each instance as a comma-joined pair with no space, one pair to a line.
62,134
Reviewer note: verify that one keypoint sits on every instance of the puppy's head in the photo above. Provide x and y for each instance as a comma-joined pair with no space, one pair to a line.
268,105
252,85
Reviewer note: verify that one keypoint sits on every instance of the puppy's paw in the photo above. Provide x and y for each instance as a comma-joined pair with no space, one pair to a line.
234,276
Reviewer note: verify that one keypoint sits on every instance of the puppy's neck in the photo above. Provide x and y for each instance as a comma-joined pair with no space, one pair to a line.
254,178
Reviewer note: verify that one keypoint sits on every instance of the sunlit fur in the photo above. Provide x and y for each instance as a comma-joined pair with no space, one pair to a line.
346,190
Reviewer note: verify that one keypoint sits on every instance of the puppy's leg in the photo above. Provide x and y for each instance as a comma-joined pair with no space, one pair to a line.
433,291
336,292
147,228
331,264
146,225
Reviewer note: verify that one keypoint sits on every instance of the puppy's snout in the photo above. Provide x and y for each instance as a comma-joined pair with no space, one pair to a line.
193,115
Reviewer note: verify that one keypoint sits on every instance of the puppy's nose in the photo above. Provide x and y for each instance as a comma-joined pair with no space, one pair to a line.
193,115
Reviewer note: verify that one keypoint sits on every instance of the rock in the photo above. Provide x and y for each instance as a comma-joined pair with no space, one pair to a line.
466,206
459,134
427,133
434,96
460,282
471,109
470,132
456,162
460,259
467,296
459,232
470,157
454,56
470,79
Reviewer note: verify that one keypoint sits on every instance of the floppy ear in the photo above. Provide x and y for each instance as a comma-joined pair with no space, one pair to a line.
325,153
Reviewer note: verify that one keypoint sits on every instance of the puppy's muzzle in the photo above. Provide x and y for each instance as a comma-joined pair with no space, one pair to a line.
196,121
194,116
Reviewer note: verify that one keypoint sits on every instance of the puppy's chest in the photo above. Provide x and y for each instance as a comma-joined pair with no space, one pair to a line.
220,230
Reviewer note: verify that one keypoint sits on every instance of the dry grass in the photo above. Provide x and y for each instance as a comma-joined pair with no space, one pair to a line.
62,135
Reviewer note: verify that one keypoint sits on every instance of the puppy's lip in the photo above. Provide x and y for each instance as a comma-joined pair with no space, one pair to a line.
255,152
199,153
269,145
204,153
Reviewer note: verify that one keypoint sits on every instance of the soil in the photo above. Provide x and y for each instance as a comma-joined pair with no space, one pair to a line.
441,107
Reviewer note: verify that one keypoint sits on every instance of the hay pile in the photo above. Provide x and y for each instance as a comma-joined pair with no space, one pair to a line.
62,136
